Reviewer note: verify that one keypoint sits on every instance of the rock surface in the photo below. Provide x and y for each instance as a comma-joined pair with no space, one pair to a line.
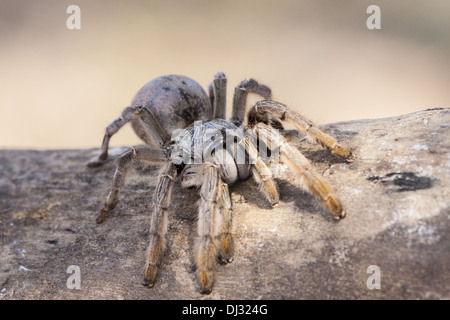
396,195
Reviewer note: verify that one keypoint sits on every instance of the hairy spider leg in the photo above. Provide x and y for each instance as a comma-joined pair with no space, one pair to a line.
158,224
218,95
226,249
283,113
300,165
144,153
144,123
241,92
209,227
261,173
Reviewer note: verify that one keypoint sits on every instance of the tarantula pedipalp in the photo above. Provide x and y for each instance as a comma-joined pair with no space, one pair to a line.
185,132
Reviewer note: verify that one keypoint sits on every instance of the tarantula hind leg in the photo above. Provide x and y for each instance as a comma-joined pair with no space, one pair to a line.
144,153
111,129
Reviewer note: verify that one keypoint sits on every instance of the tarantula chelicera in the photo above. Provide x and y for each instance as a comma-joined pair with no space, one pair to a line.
185,132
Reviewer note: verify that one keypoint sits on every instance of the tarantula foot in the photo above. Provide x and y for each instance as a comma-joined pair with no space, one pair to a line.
227,260
350,157
205,290
95,162
102,215
150,275
333,205
226,254
205,281
219,75
147,283
340,215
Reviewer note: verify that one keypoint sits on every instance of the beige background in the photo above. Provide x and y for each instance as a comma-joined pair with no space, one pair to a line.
60,88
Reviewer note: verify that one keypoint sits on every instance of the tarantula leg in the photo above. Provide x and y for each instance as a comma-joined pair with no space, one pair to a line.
111,129
298,163
158,224
149,129
241,92
144,153
283,113
261,173
209,227
218,95
226,250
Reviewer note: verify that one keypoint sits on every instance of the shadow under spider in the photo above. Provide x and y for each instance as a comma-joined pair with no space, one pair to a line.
184,204
303,200
322,156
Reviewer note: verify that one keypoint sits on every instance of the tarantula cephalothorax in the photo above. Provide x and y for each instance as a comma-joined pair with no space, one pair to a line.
185,132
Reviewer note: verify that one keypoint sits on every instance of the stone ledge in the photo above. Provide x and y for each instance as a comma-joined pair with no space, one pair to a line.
396,194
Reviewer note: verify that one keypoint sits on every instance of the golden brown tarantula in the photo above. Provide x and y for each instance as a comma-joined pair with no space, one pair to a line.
185,132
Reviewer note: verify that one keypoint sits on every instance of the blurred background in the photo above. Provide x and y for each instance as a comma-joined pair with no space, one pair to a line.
60,88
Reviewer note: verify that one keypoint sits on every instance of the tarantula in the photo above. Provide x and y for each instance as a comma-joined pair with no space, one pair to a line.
185,132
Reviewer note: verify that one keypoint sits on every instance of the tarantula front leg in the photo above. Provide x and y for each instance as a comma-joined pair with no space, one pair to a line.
261,173
158,225
209,227
280,111
298,163
226,249
144,153
240,97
